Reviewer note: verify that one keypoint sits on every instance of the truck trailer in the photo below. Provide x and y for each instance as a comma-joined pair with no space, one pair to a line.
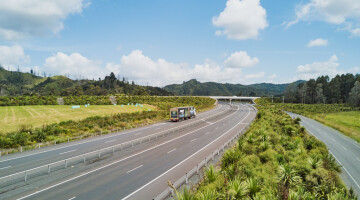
182,113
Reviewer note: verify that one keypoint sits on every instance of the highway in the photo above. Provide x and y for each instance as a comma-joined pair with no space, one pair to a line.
345,150
139,173
30,159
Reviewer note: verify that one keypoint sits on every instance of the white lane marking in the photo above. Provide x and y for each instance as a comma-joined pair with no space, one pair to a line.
138,133
72,198
134,169
5,167
343,147
118,161
110,141
207,133
67,152
345,169
172,150
193,140
185,159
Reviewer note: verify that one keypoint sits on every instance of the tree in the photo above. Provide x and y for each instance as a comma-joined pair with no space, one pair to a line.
354,96
319,96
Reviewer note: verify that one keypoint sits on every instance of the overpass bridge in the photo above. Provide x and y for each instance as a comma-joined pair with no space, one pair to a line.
234,98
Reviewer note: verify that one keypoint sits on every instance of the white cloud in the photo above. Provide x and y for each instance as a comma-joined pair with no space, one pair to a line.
317,69
240,59
331,11
272,76
12,56
241,19
145,70
74,64
317,42
255,76
24,18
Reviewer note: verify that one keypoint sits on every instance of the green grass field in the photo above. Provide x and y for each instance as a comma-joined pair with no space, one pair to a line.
346,122
12,117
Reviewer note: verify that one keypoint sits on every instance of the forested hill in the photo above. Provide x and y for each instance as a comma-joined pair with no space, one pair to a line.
194,87
19,83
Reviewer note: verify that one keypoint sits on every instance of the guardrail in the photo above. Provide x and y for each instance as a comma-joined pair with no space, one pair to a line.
68,139
196,170
63,164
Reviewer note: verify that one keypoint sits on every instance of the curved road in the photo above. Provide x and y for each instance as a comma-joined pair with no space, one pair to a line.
140,173
345,150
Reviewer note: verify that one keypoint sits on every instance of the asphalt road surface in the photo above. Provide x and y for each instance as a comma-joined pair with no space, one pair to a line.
345,150
141,173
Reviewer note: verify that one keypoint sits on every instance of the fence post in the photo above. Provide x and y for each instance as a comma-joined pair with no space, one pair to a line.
39,146
99,154
212,155
186,178
48,169
84,159
20,149
25,176
205,162
197,168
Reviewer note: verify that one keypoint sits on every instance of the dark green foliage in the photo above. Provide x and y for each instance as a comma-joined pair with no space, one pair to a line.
28,84
193,87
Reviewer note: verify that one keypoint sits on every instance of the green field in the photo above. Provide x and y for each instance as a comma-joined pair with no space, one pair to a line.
346,122
12,117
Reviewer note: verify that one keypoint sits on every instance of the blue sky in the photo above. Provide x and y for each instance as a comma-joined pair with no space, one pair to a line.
161,42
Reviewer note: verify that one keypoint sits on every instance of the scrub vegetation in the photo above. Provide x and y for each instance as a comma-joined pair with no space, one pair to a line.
275,159
29,135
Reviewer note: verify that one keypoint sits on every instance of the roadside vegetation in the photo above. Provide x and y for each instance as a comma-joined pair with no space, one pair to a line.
61,131
342,117
275,159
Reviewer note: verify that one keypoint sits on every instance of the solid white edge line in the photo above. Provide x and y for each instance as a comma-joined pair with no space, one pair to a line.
193,140
97,169
134,169
72,198
345,169
185,159
67,152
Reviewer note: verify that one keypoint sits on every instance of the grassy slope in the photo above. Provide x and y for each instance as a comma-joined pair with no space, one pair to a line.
346,122
12,117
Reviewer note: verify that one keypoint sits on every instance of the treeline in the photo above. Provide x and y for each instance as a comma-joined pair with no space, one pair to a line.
275,159
28,84
27,135
99,100
343,88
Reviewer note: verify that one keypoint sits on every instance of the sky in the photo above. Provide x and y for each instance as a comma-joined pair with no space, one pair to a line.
161,42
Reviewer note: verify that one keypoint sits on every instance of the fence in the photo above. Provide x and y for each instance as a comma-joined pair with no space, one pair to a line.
63,164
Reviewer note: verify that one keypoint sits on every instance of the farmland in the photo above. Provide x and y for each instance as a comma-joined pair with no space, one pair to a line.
12,117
